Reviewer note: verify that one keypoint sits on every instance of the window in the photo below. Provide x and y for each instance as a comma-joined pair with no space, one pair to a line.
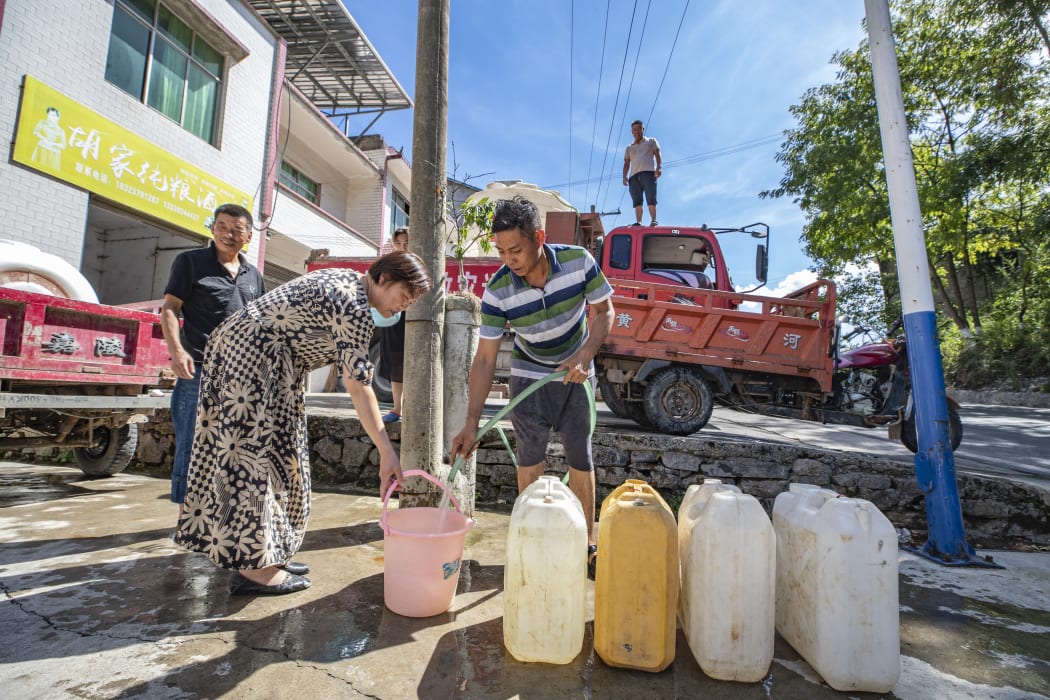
399,212
620,253
157,58
300,184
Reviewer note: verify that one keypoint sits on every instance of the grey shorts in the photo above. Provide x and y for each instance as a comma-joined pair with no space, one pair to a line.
557,406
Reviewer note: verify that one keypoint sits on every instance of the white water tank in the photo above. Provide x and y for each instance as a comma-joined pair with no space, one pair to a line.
545,577
30,269
837,597
727,551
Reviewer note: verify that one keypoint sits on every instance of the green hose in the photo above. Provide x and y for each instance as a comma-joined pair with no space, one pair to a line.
494,421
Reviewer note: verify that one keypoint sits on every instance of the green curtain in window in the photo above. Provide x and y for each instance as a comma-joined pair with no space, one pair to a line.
167,79
200,104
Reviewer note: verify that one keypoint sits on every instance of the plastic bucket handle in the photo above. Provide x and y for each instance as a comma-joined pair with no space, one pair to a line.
415,472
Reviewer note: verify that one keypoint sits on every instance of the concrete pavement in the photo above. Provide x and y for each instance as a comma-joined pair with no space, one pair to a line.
96,602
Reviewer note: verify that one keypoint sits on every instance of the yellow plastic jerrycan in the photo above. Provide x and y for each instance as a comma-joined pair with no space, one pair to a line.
545,579
636,582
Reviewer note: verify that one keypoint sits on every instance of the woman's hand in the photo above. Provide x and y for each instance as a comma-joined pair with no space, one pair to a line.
368,413
389,470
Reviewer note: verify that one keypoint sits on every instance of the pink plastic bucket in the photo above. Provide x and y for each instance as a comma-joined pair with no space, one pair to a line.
421,565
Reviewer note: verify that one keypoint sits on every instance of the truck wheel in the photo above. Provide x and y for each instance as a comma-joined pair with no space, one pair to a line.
380,385
611,397
678,401
910,437
112,454
636,412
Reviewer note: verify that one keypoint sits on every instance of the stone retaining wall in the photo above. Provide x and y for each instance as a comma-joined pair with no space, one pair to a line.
997,512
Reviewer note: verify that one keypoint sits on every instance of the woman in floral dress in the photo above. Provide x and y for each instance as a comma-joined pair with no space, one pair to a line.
248,491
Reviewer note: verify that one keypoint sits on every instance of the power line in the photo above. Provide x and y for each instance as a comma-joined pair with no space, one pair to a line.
616,103
630,89
668,66
688,160
601,69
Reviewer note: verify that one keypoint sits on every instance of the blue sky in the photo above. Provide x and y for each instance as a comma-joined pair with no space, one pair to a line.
735,70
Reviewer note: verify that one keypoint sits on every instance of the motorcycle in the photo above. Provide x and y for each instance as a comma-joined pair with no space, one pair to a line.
872,383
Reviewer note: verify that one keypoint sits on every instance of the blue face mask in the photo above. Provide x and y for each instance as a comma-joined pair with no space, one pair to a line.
382,321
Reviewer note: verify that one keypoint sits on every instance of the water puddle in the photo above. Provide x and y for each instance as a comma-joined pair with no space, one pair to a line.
22,489
976,640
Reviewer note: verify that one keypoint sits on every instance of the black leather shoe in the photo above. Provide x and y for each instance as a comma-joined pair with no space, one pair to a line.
239,585
297,568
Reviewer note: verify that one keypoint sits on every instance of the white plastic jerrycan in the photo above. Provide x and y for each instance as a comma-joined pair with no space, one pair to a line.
727,550
837,597
545,578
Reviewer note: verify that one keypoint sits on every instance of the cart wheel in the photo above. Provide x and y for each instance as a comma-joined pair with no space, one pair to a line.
678,401
112,454
910,437
611,396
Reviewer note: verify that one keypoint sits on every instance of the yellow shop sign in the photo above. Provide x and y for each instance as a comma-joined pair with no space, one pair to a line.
68,141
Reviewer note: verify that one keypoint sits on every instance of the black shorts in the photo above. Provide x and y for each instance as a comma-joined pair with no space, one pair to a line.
392,352
561,407
644,181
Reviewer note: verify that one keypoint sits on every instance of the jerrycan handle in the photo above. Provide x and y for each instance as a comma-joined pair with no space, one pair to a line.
415,472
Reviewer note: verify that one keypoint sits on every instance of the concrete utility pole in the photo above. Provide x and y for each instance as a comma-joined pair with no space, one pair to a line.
421,432
934,462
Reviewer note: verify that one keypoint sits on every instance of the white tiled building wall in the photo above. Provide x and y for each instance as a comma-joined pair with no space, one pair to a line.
64,43
365,208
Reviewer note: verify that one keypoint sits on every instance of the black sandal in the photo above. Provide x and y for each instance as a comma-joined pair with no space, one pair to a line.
592,560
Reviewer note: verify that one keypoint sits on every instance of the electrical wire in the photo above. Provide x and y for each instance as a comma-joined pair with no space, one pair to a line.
276,161
659,89
674,43
688,160
630,89
594,124
616,103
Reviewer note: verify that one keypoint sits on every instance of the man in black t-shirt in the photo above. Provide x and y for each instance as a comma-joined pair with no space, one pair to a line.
205,287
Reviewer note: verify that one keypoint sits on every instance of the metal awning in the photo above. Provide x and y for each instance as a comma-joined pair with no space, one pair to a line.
330,59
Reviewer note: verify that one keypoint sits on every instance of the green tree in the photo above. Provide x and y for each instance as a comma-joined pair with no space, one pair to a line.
974,77
473,226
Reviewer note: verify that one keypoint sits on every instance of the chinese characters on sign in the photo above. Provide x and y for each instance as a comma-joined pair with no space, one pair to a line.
66,140
109,347
61,344
791,340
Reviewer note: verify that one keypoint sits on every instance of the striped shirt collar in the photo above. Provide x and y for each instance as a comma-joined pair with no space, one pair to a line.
553,267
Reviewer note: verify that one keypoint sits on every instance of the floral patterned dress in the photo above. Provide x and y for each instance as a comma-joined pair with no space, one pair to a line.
248,491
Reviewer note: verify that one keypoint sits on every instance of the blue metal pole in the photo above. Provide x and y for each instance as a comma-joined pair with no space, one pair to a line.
934,462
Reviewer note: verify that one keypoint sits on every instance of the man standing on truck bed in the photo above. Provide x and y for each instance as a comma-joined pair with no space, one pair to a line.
543,291
642,160
205,286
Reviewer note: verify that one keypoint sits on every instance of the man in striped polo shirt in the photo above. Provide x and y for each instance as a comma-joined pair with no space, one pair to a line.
543,291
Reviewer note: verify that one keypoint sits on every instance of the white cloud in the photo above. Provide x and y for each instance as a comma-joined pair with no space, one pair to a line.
791,283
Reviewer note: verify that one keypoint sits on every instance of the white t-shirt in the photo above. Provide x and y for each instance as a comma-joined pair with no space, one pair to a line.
642,155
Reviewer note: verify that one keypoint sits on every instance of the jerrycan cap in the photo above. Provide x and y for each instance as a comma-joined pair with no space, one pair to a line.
639,502
547,498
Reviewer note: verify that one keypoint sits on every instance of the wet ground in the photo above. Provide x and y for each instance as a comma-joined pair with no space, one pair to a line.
96,602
